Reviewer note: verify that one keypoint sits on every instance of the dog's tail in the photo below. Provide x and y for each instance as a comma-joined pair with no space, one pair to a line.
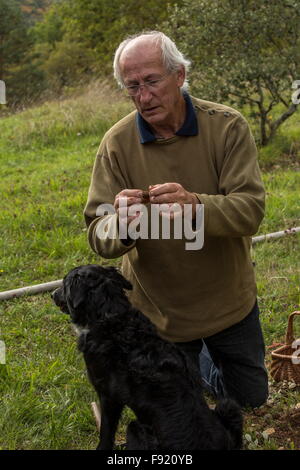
230,415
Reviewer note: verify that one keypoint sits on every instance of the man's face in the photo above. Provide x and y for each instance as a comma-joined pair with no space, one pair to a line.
141,63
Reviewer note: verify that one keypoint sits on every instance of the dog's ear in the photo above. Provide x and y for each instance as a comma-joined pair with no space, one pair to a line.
78,298
116,276
75,294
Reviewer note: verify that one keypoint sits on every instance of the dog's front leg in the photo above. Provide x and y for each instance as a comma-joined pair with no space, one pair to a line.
110,415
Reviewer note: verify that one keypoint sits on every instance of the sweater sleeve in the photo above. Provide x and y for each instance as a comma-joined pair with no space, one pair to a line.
238,209
106,182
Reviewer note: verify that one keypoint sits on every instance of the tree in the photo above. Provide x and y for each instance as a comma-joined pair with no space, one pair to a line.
24,81
68,64
11,40
246,52
100,25
48,44
48,30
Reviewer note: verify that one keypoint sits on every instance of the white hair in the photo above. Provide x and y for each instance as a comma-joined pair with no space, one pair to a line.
172,58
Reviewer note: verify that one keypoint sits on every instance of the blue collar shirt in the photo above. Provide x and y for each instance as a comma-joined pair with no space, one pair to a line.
188,128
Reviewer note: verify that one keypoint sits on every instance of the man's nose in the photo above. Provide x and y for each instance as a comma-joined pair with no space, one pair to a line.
144,94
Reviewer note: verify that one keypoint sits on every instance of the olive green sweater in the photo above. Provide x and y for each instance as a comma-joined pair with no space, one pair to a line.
197,293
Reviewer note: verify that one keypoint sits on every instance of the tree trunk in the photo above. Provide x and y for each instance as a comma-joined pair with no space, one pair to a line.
290,111
263,131
263,115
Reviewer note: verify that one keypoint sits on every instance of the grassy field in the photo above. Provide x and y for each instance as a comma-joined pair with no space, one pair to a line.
46,158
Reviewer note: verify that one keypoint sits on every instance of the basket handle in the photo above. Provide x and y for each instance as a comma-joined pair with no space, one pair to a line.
290,332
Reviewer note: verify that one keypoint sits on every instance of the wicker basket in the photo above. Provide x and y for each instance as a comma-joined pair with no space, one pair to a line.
282,366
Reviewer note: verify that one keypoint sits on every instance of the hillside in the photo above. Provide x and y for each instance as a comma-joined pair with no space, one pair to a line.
46,159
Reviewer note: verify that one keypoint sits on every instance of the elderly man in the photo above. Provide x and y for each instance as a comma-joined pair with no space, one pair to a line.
187,151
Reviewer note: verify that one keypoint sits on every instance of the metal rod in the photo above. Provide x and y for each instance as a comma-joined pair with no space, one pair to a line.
49,286
269,236
37,289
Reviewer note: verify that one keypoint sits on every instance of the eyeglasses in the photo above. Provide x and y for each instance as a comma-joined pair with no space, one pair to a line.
151,85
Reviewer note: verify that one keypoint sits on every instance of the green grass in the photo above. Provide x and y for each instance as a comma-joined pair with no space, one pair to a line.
46,159
42,218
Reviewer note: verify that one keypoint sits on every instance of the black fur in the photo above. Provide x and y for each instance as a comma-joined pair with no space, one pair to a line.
130,365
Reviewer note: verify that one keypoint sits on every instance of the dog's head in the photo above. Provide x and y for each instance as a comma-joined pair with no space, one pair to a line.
86,290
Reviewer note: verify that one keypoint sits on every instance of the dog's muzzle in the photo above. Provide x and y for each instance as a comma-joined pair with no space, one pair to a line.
59,299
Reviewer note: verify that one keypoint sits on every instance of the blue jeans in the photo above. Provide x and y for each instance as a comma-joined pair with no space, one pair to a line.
232,361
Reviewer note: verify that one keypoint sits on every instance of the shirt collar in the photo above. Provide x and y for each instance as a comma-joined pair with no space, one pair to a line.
188,128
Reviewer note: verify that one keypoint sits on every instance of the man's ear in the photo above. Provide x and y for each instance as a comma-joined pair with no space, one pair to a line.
180,76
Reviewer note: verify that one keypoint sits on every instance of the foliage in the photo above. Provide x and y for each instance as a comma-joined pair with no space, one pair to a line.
49,29
33,10
244,52
102,25
67,64
66,42
18,63
12,32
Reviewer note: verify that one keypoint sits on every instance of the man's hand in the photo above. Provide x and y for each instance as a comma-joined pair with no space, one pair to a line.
170,193
124,200
166,193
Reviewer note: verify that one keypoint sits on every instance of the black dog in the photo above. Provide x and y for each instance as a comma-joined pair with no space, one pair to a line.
130,365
